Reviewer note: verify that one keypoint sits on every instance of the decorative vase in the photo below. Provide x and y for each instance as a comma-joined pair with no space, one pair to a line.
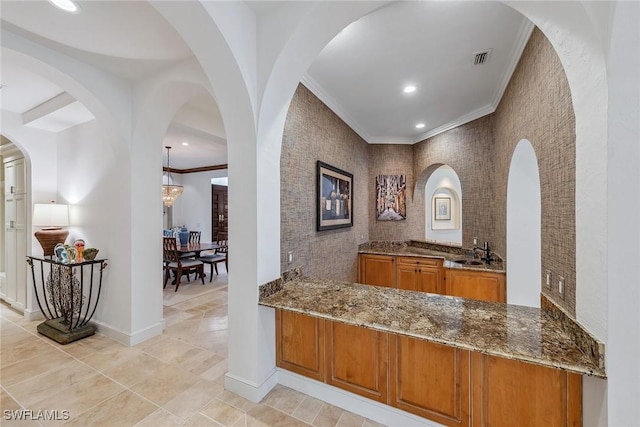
184,236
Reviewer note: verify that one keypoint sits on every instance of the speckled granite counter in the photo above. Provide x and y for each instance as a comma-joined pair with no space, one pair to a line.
427,250
514,332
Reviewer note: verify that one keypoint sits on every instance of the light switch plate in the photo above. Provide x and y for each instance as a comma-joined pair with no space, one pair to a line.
289,257
561,286
549,278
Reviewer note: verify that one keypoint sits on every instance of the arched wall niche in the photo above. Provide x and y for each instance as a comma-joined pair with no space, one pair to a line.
524,224
443,190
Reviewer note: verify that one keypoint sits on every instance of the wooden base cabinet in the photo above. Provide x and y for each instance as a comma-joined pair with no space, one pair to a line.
509,393
420,274
430,380
476,285
357,360
377,270
451,386
300,344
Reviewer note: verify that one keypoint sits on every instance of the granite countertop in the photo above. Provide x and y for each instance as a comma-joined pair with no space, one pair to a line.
425,250
515,332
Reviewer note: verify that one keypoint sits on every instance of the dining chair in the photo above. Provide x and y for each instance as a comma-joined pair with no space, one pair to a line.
173,262
220,255
194,237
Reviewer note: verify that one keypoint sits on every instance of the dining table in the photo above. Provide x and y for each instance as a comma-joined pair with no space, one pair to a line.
197,248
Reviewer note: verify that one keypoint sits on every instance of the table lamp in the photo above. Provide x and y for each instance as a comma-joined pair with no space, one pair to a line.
52,217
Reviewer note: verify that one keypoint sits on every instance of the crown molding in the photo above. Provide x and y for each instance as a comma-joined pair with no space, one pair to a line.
476,114
514,57
391,140
323,96
194,170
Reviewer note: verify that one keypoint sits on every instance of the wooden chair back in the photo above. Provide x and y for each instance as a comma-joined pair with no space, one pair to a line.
222,243
170,250
194,236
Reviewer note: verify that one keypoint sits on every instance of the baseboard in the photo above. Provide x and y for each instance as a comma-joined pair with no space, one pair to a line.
249,390
128,339
32,315
375,411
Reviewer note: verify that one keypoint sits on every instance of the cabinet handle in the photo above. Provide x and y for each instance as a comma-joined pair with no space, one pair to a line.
13,189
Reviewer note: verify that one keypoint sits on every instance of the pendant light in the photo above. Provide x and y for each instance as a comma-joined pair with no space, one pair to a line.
170,192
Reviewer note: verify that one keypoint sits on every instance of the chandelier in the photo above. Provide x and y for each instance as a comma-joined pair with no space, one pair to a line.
170,192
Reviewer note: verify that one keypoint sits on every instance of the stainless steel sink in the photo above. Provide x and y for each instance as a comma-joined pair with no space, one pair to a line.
468,262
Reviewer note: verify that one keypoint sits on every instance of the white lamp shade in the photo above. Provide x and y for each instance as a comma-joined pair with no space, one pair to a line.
51,215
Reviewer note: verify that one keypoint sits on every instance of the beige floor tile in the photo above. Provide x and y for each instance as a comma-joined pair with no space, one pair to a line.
263,415
290,401
169,350
222,412
199,420
349,419
128,366
237,401
308,409
150,342
242,422
328,417
166,383
92,344
123,409
36,364
274,396
193,399
198,360
214,323
79,397
161,418
24,349
7,403
59,377
215,371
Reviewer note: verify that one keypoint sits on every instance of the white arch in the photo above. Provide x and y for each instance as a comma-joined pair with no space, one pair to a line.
444,181
524,227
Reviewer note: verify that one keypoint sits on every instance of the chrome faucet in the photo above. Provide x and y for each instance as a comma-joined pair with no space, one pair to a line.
488,256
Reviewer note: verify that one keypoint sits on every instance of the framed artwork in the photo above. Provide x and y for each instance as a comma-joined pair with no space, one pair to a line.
334,198
442,209
391,198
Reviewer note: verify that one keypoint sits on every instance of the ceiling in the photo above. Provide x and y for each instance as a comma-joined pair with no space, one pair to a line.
360,74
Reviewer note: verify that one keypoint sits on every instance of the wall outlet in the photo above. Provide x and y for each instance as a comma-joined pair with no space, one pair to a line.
361,236
475,241
549,278
289,257
561,286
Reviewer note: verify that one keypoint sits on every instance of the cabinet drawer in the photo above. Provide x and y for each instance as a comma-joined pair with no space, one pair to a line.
429,262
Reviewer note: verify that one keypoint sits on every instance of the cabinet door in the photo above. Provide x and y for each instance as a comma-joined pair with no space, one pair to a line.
377,270
476,285
430,380
408,277
509,393
420,274
357,360
300,344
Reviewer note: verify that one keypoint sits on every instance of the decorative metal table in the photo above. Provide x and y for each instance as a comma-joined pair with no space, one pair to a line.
70,294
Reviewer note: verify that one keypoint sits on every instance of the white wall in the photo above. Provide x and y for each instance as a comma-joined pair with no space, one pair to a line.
445,182
193,208
524,228
90,179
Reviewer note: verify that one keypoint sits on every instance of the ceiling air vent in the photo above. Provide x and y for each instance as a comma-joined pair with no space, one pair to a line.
481,57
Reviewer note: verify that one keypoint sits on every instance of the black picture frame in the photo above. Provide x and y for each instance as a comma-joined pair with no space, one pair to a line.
334,197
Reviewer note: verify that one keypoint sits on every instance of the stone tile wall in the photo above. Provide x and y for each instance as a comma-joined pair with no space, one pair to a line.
313,132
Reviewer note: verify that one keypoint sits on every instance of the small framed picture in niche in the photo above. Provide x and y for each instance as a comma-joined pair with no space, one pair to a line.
442,209
334,198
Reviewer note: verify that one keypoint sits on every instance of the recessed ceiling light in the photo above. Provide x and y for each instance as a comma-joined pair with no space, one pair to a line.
420,125
409,89
185,143
66,5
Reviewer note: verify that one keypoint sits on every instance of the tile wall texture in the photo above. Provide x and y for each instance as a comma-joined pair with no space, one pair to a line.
536,106
313,132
